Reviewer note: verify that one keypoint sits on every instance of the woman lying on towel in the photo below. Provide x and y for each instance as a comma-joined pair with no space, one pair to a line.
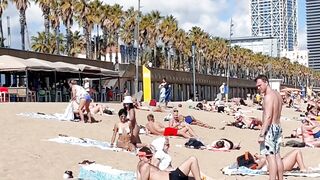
246,122
122,128
191,120
308,136
289,161
176,122
224,144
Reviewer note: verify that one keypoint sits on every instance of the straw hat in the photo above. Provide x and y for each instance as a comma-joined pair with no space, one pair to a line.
127,99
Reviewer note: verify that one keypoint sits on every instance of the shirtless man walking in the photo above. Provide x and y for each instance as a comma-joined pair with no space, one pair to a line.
147,171
270,133
157,128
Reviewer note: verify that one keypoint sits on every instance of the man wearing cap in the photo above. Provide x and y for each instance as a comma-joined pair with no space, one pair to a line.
145,170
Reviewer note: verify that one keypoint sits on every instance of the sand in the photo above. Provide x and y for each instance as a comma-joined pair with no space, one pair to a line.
25,152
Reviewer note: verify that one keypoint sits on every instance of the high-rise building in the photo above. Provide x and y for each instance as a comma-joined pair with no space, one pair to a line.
313,33
277,19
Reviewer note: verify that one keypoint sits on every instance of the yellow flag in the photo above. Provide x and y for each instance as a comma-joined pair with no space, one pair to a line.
146,84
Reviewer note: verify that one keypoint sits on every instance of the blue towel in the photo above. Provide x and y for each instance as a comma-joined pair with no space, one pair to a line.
88,174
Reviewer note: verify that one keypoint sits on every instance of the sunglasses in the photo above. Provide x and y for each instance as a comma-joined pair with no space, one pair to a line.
175,110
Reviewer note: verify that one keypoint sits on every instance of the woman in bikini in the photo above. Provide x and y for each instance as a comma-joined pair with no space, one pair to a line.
123,129
308,136
191,120
289,161
176,123
129,107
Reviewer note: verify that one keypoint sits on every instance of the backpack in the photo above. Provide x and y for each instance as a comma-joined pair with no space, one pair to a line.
247,160
153,102
193,143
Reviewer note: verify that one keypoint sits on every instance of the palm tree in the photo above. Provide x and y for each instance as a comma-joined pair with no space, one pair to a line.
168,29
127,30
3,6
45,7
96,8
149,33
77,43
38,43
55,14
22,6
86,19
116,18
67,10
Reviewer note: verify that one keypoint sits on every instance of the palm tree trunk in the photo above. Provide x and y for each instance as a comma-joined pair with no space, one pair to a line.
22,27
68,31
46,24
1,33
57,31
88,40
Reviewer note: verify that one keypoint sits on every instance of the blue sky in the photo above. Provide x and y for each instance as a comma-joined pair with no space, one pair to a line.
211,15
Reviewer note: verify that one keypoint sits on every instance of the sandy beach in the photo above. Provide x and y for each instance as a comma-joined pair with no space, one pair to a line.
25,152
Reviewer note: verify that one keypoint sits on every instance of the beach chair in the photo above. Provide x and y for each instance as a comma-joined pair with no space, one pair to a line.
41,95
22,94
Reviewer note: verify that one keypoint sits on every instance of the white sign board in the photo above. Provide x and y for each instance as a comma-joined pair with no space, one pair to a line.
275,84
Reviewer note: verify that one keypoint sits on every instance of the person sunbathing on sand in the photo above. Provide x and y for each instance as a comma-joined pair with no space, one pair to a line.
308,136
289,161
123,129
224,144
246,122
174,122
161,158
145,170
191,120
157,128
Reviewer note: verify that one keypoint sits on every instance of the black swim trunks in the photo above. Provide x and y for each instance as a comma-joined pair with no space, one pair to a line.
177,175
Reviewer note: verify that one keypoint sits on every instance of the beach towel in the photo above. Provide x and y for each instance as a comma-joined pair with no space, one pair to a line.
86,142
68,114
55,116
234,170
102,172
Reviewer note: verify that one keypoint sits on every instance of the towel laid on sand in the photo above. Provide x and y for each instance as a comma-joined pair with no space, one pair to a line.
40,115
101,172
233,170
85,142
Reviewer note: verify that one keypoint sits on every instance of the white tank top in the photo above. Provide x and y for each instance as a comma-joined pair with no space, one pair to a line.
80,91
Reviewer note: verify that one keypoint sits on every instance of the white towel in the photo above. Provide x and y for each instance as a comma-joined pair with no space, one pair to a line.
164,158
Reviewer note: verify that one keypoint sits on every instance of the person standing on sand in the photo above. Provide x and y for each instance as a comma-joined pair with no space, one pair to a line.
270,133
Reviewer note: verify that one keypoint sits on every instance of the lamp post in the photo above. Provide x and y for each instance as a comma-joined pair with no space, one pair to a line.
228,61
194,71
137,45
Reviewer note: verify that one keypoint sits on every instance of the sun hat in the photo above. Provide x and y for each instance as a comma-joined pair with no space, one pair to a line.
87,79
127,99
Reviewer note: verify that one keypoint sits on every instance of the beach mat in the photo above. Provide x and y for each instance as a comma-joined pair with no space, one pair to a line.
102,172
85,142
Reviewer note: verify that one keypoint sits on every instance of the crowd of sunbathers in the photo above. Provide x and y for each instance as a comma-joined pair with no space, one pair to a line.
309,130
155,161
